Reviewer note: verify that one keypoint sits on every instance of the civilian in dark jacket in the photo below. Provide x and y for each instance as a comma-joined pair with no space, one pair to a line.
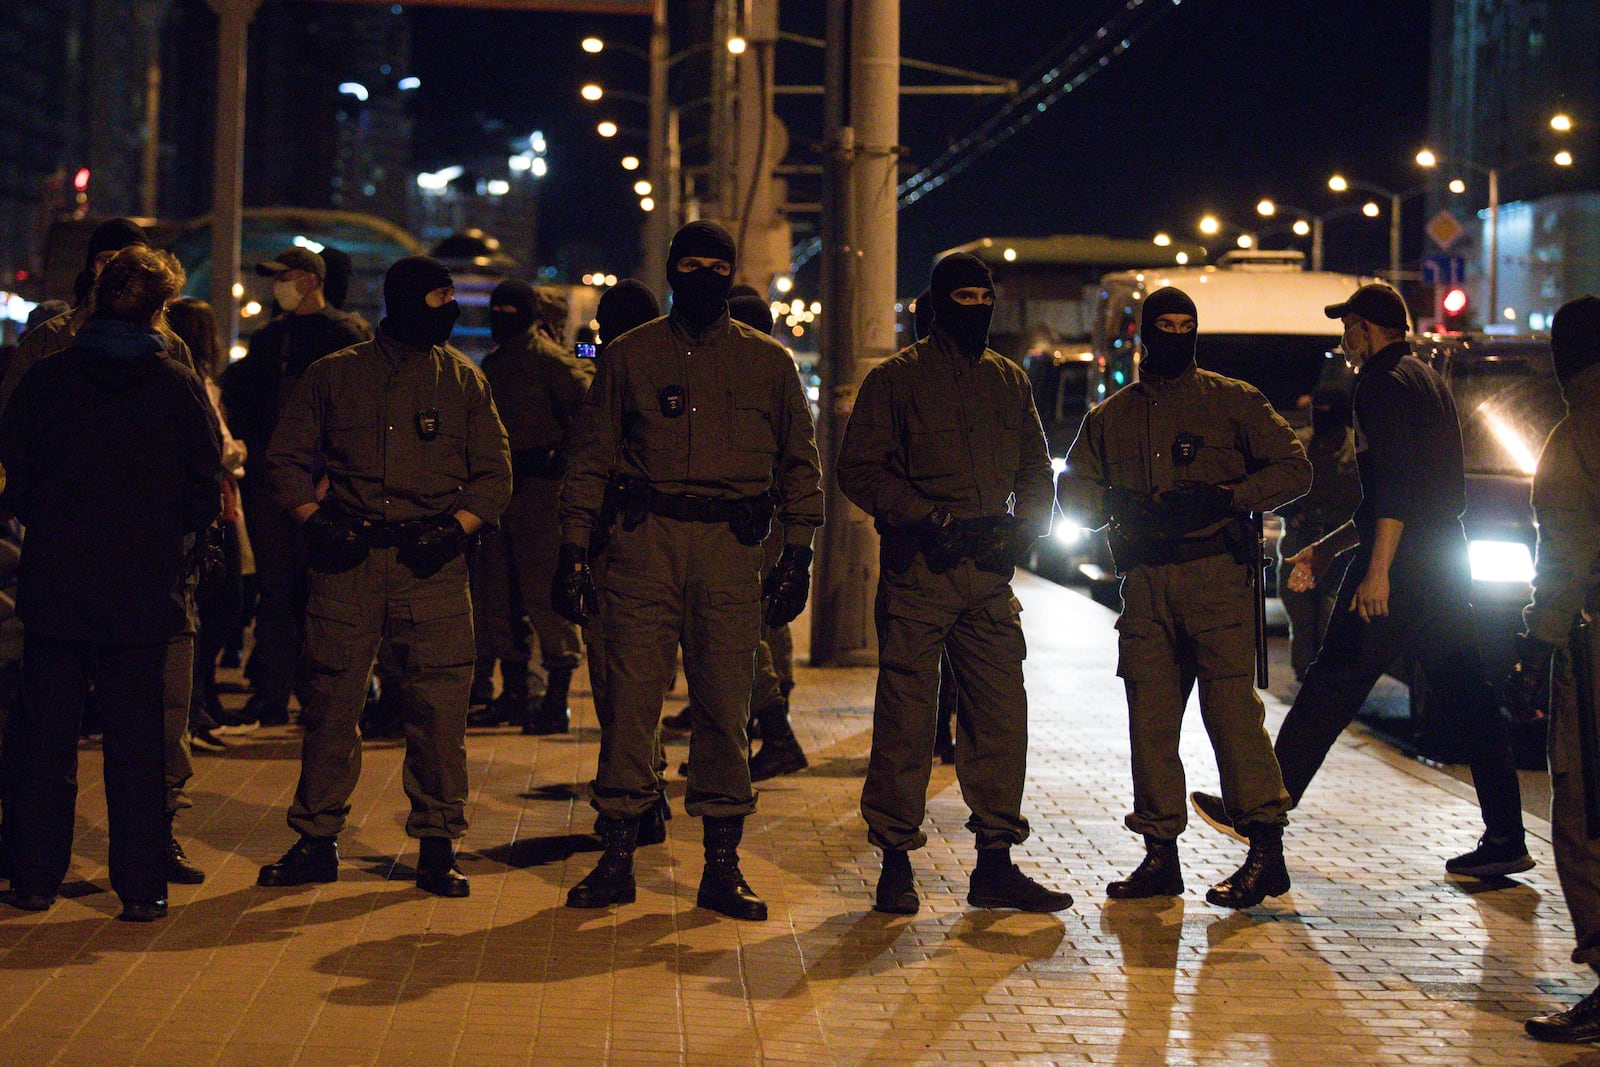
114,465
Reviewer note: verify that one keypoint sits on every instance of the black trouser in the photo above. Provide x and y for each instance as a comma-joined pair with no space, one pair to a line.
219,599
281,575
42,774
1430,620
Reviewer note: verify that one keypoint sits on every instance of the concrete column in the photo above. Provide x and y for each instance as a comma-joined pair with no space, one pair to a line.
233,32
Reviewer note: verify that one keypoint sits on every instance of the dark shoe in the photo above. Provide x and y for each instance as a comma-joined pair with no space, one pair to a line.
897,886
232,723
1263,874
29,901
999,883
611,881
267,712
492,713
1491,859
437,872
1579,1024
653,825
179,869
552,715
678,721
722,886
1211,809
206,741
1158,874
143,911
778,756
944,747
311,859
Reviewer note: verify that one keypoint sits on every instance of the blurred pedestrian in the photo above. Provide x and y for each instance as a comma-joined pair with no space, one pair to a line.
416,462
944,450
254,391
1558,652
700,429
1175,462
114,462
1407,591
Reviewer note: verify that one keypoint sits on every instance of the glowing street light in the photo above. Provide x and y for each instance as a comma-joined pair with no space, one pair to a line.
1371,209
647,203
737,45
1266,209
1457,186
1183,257
642,187
591,92
1010,255
1301,227
593,45
539,168
1209,225
1338,184
1561,123
630,162
1426,158
606,129
1246,241
1162,240
1563,158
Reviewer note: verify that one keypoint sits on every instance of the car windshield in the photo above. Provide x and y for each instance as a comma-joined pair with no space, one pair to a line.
1508,404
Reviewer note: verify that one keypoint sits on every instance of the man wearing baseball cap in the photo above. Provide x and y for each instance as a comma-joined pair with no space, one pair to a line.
1407,588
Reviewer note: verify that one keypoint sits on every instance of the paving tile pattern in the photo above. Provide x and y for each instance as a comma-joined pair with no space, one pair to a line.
1373,958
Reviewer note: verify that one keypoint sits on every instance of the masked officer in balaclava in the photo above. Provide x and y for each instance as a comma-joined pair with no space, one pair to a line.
1176,462
538,384
700,425
944,450
625,306
416,461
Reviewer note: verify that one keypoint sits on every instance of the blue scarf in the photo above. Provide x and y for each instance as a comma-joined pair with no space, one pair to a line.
116,339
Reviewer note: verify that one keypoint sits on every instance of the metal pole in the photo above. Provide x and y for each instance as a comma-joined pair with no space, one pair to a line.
658,223
1316,242
1394,239
1494,247
227,221
151,163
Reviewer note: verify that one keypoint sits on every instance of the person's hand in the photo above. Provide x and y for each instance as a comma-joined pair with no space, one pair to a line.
1526,689
431,543
1372,596
336,543
944,543
1131,508
1309,565
573,593
787,586
1190,506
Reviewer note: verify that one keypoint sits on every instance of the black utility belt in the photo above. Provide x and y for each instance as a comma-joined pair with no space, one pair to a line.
749,517
1164,552
385,534
687,507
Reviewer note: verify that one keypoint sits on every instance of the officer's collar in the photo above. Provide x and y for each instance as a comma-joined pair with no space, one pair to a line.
718,327
940,341
1157,381
397,350
1385,358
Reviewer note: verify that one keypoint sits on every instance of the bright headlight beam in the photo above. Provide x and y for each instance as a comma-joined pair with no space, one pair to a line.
1510,439
1500,561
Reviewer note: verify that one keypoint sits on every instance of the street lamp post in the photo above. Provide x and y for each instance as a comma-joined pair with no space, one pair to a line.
1339,184
1312,221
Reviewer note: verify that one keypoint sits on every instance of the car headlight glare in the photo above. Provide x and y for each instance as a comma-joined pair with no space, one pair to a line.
1068,531
1500,561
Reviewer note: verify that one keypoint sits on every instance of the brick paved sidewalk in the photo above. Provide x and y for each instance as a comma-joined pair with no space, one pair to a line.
1373,958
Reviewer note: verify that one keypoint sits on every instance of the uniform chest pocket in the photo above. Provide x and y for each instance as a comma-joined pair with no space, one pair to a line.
935,446
1008,442
354,441
750,419
446,454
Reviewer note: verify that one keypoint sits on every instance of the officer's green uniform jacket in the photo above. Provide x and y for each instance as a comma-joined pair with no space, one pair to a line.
1566,499
538,386
357,411
1128,441
745,428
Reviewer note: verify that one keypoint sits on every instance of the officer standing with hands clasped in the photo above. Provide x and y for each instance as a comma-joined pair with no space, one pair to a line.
1176,462
1558,654
697,430
944,450
1407,590
416,461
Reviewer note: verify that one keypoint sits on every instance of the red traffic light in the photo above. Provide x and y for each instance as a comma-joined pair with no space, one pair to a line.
1455,301
80,180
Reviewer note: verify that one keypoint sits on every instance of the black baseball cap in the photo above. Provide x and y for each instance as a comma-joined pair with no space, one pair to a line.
1379,304
296,258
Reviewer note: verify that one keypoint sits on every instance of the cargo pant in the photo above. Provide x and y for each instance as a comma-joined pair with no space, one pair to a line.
1182,623
533,542
971,615
1577,854
668,583
177,689
427,623
499,624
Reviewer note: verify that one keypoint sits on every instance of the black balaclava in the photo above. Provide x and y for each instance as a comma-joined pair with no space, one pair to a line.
113,235
1166,355
1330,411
751,310
966,324
336,285
922,314
625,306
504,325
700,296
1575,337
405,289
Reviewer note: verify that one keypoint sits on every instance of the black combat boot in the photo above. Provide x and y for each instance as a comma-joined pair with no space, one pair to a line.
1156,876
1579,1024
1263,874
897,887
722,886
552,715
780,749
653,824
999,883
437,872
611,881
512,703
179,869
310,859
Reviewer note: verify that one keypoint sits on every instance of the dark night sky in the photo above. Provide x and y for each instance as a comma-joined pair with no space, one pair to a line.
1220,103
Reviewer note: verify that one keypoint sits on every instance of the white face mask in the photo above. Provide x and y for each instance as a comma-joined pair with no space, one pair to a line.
287,294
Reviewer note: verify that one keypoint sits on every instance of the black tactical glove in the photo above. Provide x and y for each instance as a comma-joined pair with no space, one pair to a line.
205,560
1191,506
786,586
335,541
1132,510
572,592
1526,690
1007,546
431,543
944,541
